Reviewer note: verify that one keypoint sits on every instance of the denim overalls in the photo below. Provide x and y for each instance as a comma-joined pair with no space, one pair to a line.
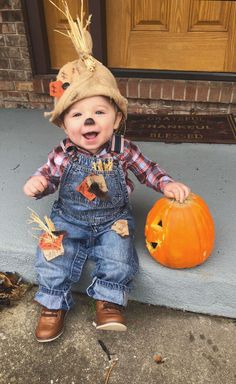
89,236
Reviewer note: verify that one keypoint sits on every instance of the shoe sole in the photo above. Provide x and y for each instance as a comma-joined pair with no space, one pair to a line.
111,327
52,339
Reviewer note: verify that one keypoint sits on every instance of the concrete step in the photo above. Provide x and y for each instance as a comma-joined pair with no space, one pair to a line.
26,138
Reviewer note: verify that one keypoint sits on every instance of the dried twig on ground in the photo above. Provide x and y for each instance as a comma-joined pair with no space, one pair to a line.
112,361
112,364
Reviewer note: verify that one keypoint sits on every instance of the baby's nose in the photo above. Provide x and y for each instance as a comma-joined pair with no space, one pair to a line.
89,121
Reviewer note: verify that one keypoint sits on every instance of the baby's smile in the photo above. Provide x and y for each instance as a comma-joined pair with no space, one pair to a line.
90,135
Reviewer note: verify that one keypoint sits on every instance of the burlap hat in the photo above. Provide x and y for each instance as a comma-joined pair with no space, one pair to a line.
84,77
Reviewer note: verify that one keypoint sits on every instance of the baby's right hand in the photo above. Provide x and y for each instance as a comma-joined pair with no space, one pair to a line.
35,185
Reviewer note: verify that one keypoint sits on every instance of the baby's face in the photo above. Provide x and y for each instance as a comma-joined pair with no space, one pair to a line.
90,122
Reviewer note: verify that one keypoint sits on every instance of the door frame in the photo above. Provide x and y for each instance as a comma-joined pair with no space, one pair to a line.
37,36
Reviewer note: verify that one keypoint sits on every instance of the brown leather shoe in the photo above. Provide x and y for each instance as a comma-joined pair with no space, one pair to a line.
50,324
109,316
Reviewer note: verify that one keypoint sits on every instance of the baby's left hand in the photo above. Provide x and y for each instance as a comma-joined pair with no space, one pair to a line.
176,190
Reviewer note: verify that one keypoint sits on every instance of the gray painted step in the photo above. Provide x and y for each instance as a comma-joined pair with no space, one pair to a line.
25,139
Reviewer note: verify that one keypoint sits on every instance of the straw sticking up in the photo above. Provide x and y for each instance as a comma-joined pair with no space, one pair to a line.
48,227
77,33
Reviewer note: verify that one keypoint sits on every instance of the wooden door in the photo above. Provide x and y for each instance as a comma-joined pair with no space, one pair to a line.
60,47
191,35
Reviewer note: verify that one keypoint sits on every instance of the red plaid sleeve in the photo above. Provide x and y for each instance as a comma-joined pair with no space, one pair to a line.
52,170
147,172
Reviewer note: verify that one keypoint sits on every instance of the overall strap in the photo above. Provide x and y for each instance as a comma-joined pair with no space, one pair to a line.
117,144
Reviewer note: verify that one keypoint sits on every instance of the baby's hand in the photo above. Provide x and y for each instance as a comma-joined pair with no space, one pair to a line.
35,185
178,191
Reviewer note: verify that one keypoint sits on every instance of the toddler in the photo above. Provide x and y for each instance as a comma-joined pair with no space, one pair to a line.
92,211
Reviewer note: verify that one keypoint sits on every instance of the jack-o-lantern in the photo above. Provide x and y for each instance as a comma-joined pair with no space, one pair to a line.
180,235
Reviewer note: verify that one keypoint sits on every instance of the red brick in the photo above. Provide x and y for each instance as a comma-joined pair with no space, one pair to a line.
202,91
28,75
15,96
156,87
11,16
25,53
214,95
179,88
234,94
226,93
167,89
20,28
12,40
4,74
2,40
38,87
6,85
6,52
190,92
24,86
4,63
20,63
16,104
16,75
145,88
16,4
133,88
5,4
39,98
45,85
7,28
122,85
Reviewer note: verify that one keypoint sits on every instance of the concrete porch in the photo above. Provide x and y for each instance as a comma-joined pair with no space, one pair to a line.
25,139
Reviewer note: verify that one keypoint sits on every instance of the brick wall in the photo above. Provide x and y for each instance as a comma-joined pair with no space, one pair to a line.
19,88
179,96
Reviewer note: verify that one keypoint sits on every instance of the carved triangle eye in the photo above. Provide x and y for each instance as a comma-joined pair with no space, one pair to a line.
160,223
154,245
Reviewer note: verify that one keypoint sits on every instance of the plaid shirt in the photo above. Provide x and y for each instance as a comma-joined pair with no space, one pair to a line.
146,171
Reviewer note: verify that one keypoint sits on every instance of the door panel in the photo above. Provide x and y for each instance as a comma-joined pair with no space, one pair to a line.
60,47
192,35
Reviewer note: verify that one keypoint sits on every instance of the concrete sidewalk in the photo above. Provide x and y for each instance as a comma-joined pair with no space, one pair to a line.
196,349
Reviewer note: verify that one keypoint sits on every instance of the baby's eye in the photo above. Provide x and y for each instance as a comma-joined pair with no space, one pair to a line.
99,112
77,114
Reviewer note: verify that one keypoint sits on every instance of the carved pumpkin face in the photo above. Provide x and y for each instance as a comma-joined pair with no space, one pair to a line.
180,235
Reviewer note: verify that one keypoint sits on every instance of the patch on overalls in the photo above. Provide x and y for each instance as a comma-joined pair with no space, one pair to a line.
121,227
50,241
93,186
51,247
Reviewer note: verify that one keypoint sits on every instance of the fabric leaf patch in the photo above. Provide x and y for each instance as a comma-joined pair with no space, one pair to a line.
121,227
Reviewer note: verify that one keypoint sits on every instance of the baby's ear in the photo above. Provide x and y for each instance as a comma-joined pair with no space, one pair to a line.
118,120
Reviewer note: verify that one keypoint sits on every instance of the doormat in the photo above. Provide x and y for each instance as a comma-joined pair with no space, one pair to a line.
219,129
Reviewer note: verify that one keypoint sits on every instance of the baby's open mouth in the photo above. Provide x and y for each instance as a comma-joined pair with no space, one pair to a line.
90,135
